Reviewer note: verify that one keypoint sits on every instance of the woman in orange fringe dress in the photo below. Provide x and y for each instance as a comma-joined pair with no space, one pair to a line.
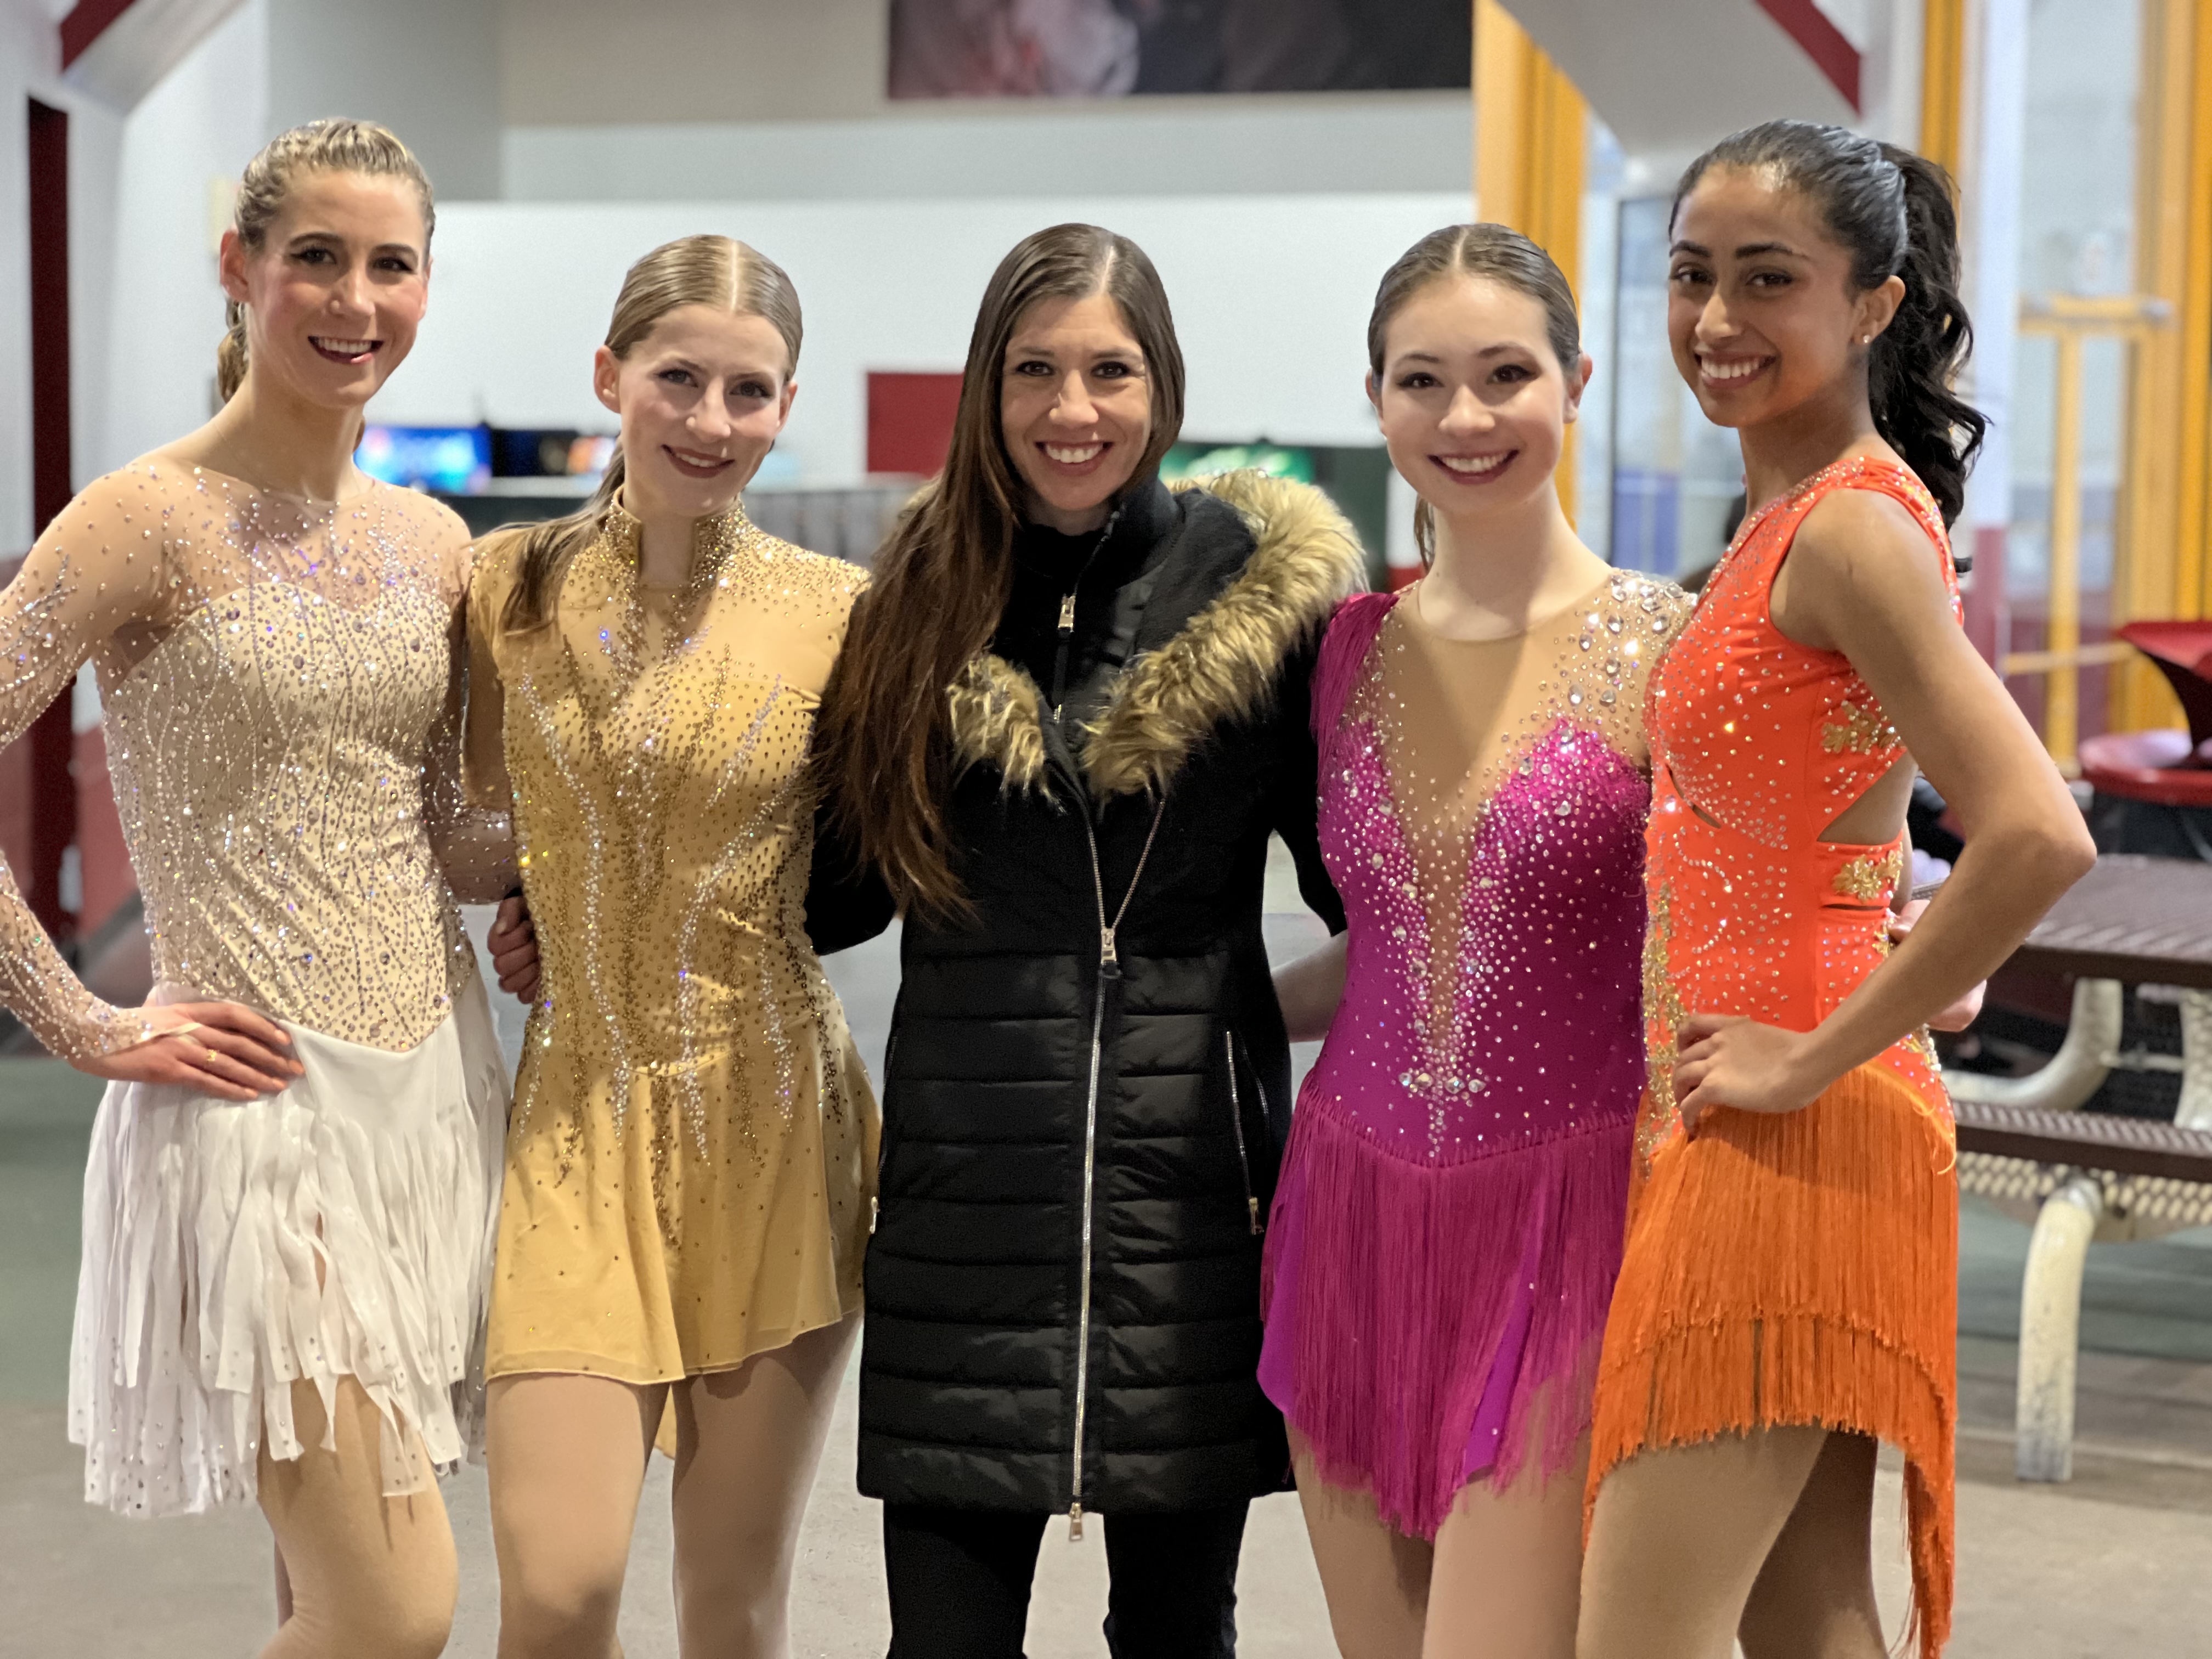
1788,1295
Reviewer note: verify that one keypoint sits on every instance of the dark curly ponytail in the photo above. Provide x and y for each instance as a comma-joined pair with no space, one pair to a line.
1892,209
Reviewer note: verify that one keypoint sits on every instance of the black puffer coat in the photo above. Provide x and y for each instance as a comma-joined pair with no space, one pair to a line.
1088,1089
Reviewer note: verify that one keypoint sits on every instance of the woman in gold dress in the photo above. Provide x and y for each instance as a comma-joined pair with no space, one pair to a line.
692,1151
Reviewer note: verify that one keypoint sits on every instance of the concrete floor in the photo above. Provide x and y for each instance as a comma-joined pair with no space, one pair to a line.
2119,1563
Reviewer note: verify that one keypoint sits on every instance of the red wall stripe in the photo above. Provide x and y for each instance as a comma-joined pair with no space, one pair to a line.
86,21
1834,55
910,422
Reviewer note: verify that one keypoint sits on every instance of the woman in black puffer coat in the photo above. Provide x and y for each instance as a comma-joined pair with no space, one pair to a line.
1066,718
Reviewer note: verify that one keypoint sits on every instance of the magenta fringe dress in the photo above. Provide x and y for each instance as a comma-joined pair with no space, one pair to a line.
1444,1238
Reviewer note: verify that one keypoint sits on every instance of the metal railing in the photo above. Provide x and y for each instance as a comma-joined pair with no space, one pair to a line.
2071,320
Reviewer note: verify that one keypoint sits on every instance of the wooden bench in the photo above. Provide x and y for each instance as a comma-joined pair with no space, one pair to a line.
2132,920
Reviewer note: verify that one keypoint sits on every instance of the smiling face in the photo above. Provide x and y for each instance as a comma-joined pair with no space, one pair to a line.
1761,310
337,290
1075,409
1472,402
701,398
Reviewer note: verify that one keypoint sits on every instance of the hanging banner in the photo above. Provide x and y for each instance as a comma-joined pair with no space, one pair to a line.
1115,48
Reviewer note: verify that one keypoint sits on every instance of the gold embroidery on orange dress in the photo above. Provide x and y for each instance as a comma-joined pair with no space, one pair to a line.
1871,876
1663,1012
1861,731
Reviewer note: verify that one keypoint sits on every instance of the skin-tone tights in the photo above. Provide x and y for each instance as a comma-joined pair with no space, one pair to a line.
567,1456
363,1575
1778,1560
1499,1581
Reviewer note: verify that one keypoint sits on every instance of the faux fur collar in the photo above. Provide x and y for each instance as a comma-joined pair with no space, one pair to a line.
1220,667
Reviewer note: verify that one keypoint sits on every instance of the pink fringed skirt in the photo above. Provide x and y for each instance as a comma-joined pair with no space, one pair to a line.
1431,1324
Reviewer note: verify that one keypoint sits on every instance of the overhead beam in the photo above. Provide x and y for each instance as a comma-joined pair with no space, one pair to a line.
1829,48
86,21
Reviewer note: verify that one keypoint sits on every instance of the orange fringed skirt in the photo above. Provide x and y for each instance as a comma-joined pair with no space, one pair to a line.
1800,1269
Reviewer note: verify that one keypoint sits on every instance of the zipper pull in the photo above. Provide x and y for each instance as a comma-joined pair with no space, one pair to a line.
1251,1204
1059,653
1109,953
1075,1523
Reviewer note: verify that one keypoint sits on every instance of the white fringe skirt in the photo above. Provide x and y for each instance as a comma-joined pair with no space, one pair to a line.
341,1227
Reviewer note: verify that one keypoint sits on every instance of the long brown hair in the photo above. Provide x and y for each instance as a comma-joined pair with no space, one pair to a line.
884,739
336,145
1496,254
692,271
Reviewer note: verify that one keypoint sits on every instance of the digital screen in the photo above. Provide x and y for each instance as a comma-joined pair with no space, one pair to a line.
454,460
1190,460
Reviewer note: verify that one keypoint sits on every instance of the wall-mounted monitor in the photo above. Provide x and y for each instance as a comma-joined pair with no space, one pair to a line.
452,460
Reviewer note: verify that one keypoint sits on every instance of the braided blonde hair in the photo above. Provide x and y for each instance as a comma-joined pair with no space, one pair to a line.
331,146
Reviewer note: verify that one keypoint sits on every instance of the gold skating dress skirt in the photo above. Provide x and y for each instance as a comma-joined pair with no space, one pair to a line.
692,1154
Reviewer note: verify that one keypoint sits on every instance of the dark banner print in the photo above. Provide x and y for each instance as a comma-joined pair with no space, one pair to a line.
1115,48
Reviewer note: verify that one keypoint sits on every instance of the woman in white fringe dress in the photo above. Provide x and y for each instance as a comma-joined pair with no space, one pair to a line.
295,1171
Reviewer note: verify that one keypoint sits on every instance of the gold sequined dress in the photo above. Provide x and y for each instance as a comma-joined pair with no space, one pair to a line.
693,1148
280,687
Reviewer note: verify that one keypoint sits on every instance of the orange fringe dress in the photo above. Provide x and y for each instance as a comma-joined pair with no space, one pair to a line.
1800,1268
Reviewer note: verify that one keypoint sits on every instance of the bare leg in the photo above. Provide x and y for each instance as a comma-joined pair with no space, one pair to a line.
365,1576
1508,1574
1376,1578
1815,1597
1678,1539
567,1460
747,1442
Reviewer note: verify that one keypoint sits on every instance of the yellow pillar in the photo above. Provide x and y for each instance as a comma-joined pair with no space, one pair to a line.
2164,532
1528,144
1943,81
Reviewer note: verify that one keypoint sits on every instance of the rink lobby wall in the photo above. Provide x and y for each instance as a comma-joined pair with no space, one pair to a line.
1269,217
905,214
1270,296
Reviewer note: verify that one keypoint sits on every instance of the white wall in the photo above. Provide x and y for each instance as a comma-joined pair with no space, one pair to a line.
28,63
751,100
1270,296
568,63
429,70
146,373
1395,143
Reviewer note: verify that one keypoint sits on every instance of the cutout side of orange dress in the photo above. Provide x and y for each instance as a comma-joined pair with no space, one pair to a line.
1800,1268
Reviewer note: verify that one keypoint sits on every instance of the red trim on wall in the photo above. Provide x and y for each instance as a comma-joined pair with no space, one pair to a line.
86,21
49,745
1832,54
910,422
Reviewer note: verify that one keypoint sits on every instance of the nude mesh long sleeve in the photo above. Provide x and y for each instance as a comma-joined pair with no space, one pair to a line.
471,830
72,593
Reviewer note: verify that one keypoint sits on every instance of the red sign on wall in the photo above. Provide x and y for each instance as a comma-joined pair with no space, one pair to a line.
910,422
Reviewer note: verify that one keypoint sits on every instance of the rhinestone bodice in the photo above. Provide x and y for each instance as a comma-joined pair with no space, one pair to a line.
277,678
1482,811
1758,744
655,742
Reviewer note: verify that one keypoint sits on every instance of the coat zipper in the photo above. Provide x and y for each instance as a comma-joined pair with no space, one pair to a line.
1065,638
1110,968
1237,1121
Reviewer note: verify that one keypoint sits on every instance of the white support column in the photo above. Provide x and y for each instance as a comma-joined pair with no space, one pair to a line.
2194,1109
1998,113
2051,1330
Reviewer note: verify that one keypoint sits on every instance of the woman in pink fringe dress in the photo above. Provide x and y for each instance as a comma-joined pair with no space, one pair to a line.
1445,1237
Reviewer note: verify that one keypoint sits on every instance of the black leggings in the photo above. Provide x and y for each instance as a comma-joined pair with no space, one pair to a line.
960,1582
